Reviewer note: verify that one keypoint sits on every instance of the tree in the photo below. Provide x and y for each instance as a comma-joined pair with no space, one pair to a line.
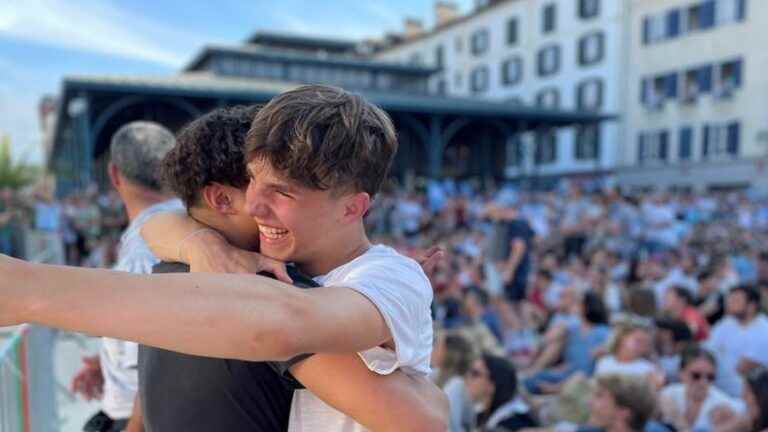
15,174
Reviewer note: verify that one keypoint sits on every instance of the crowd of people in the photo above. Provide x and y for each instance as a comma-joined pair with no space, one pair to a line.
81,229
575,310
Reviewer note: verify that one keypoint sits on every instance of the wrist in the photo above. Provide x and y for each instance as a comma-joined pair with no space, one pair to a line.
197,243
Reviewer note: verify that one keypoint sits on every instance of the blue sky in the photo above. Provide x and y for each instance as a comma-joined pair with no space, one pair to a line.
41,41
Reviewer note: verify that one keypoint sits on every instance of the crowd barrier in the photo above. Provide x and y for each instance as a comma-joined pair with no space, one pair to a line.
27,384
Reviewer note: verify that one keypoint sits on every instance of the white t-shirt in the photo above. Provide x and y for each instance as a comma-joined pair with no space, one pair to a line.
119,359
675,394
401,292
730,341
609,365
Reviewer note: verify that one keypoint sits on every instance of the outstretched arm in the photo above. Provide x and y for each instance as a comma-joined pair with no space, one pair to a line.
236,316
394,402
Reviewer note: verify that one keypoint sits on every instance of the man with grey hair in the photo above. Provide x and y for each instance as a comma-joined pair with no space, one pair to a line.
136,152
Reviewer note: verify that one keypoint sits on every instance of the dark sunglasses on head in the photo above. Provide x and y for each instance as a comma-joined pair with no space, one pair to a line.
699,375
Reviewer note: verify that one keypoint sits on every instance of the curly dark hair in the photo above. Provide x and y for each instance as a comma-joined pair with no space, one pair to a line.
325,138
209,149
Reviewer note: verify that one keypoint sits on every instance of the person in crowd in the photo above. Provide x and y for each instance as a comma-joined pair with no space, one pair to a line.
452,358
475,305
672,337
695,403
492,385
620,403
136,152
679,304
631,347
755,394
740,340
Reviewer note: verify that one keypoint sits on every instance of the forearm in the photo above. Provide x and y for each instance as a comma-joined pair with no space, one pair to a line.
392,402
165,232
230,316
136,422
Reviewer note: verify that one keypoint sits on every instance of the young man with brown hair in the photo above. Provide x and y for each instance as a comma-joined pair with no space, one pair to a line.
318,155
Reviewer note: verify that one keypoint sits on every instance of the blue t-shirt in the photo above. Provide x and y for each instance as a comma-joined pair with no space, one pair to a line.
579,346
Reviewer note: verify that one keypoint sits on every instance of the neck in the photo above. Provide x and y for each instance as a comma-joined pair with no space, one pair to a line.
351,250
747,318
623,357
136,201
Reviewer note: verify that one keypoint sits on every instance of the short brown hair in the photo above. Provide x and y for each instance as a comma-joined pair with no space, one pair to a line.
325,138
632,393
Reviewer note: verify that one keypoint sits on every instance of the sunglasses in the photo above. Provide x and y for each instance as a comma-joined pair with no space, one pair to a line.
699,375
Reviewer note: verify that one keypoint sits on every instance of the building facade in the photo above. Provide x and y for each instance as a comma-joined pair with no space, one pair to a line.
566,54
696,113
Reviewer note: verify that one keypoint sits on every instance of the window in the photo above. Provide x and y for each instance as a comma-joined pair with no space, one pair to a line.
588,143
654,29
700,16
721,140
727,78
652,146
549,19
728,11
545,151
696,82
589,94
479,79
512,31
589,8
548,98
672,24
656,90
439,56
591,48
480,41
512,71
458,44
685,146
548,60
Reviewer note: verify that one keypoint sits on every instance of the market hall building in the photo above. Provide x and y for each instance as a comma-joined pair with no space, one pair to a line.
439,135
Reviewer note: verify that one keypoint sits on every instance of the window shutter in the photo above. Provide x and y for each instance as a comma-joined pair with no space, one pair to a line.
741,10
644,91
686,139
707,14
663,145
670,82
733,139
673,23
640,147
646,30
737,71
705,147
705,78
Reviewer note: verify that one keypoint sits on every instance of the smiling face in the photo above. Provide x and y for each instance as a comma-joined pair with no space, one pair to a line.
298,224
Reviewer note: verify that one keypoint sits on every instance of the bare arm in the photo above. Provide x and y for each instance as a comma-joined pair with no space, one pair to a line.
136,422
394,402
164,233
517,250
235,316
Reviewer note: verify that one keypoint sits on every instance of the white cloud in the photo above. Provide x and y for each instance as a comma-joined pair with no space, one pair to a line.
96,26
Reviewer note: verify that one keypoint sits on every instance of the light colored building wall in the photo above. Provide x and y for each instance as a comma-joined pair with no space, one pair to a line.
459,62
748,105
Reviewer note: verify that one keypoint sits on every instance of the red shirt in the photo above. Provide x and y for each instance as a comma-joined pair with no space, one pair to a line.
696,322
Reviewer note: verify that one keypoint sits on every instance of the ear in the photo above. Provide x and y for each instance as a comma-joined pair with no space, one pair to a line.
219,198
114,175
356,206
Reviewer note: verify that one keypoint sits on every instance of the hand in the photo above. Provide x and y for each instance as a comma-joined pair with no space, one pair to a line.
430,259
721,415
89,381
210,253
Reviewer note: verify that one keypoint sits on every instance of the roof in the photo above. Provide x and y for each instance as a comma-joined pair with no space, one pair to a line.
437,29
311,42
256,52
255,90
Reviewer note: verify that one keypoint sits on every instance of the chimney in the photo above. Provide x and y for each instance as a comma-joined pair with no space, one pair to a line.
445,12
413,28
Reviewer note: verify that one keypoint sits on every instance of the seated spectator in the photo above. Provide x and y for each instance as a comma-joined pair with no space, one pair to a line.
492,385
756,397
672,337
740,340
711,302
474,326
451,359
620,403
696,404
678,304
577,343
630,347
